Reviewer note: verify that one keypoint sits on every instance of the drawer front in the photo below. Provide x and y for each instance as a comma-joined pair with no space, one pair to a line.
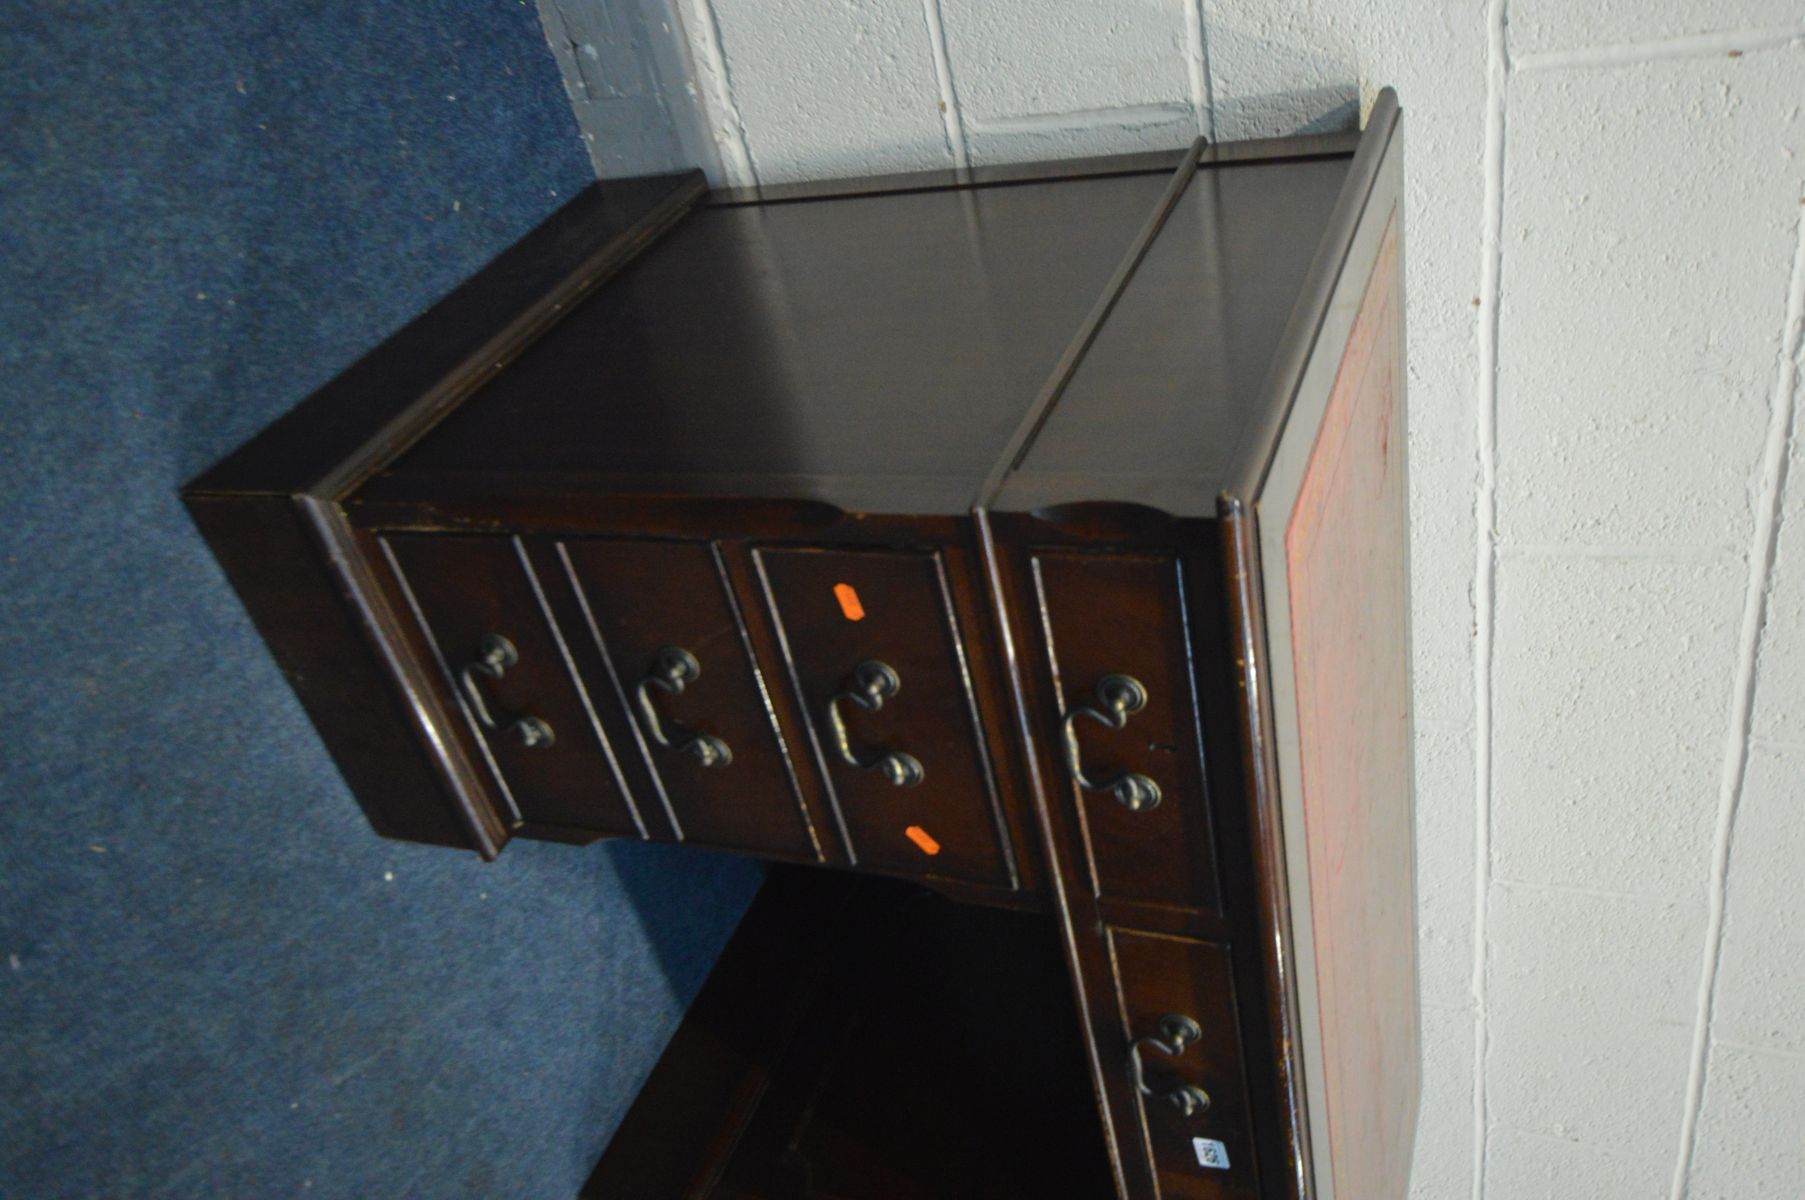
1207,1153
1119,657
667,626
505,661
877,663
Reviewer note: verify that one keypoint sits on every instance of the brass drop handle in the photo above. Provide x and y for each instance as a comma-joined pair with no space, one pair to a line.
494,655
873,682
675,670
1176,1033
1121,696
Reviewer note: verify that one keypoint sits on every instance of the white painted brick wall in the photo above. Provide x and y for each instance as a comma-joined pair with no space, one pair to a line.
1276,67
1606,670
1593,1054
1749,1143
823,88
1043,58
1605,287
1537,26
1667,338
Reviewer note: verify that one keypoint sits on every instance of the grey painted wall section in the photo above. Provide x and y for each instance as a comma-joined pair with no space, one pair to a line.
626,70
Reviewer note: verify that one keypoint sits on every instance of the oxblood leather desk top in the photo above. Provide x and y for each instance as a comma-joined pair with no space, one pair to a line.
1035,534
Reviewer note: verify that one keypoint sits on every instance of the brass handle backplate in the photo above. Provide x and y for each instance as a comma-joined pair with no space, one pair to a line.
1176,1034
873,683
1121,696
494,655
676,669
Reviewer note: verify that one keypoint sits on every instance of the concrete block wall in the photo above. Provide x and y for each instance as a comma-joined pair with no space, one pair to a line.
626,71
1606,292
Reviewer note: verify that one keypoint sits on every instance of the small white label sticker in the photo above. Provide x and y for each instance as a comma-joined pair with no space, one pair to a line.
1212,1154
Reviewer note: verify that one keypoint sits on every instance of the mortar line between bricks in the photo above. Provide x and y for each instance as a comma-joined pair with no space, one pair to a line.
1581,890
1607,551
1197,69
1738,737
1783,744
1764,1051
1543,1135
1734,41
1125,116
1485,557
951,115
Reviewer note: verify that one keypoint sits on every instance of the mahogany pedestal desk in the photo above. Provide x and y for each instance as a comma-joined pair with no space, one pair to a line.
1025,544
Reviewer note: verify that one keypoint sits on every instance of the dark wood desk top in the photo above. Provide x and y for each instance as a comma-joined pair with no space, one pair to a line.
874,352
1157,408
876,349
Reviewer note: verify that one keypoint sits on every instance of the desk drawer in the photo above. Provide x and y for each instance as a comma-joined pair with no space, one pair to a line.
666,623
1114,628
1163,982
505,662
878,665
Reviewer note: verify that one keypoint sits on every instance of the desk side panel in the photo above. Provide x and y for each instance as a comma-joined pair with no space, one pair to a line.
1345,557
872,352
273,561
1319,559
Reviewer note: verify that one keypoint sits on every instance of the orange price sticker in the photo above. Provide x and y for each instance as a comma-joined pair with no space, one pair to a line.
849,601
922,839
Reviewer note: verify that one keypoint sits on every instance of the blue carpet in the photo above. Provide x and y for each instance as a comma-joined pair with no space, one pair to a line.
214,980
